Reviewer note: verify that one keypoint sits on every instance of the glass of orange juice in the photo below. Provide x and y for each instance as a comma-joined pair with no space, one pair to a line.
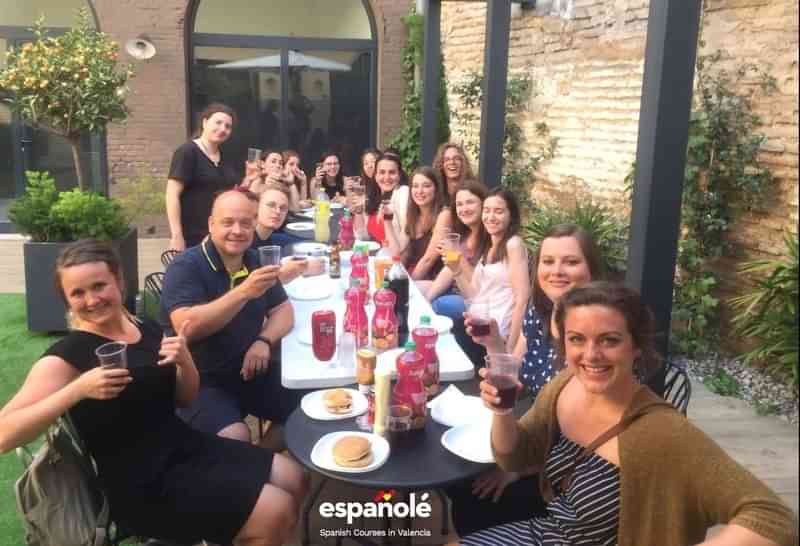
452,248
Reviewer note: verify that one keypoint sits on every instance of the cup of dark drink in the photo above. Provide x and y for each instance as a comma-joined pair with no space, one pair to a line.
388,211
504,376
479,317
398,426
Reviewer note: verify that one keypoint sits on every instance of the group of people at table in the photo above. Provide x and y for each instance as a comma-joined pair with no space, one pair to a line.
597,459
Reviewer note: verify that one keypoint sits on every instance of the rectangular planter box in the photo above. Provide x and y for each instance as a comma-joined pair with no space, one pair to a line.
46,311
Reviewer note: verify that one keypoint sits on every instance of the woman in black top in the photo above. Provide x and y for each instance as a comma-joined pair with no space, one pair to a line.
162,478
329,177
198,171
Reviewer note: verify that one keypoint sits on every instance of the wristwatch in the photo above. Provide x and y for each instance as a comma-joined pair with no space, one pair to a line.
265,340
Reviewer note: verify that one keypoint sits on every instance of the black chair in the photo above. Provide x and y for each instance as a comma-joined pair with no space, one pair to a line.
167,256
153,284
677,386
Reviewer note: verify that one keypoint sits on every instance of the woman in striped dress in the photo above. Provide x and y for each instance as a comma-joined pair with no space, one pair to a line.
620,465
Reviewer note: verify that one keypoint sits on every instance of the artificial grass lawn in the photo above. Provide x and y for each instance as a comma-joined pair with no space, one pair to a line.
19,349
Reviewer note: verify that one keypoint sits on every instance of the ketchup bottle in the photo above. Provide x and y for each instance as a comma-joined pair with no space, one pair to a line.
323,334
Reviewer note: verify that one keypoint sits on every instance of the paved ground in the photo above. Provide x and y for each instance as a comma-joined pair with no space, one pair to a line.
767,446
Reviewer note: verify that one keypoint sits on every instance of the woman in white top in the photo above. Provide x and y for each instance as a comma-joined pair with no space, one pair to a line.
501,275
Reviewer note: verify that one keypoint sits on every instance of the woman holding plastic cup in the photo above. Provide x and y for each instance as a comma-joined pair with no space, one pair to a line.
390,188
297,180
328,177
126,418
619,464
427,200
273,206
567,257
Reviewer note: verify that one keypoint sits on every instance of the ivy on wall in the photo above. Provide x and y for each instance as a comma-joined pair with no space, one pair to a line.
723,178
408,140
519,164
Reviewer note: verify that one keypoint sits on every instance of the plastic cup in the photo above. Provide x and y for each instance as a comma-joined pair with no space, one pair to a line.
253,154
452,248
398,426
479,311
269,255
112,355
503,375
388,211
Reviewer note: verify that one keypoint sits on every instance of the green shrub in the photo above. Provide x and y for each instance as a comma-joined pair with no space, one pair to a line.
140,196
49,216
722,383
768,313
609,231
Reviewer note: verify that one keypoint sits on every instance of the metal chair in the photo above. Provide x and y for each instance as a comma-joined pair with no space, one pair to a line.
677,386
153,284
167,256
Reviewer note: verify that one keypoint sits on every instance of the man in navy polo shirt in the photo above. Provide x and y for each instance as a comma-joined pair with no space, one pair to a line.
238,312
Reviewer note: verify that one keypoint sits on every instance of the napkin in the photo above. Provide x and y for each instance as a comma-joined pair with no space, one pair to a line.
452,408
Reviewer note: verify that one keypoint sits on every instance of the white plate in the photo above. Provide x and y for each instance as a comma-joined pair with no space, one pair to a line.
307,213
469,410
314,407
300,226
373,246
442,323
336,205
322,452
309,247
309,288
471,442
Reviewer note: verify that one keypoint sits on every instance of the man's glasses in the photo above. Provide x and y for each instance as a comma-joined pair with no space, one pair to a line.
275,206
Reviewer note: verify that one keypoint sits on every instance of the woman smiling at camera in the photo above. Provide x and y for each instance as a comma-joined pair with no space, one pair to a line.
161,477
390,187
620,465
427,199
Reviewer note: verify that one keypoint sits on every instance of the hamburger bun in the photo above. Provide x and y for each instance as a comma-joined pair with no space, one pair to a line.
337,401
352,452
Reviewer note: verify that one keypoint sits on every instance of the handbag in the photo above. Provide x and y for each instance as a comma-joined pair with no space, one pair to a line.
58,495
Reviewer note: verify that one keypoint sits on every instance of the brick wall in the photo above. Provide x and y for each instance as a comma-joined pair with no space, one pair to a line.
588,75
158,103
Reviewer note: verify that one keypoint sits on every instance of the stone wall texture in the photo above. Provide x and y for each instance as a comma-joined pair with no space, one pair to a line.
588,67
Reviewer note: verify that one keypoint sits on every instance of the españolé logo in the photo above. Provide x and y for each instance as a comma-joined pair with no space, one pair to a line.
380,507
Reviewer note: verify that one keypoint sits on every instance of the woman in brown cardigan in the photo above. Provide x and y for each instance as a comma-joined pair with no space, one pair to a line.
620,465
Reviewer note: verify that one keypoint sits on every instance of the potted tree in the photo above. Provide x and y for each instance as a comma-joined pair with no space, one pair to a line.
69,85
52,220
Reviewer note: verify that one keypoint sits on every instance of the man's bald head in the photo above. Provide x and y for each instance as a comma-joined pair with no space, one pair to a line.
233,195
233,221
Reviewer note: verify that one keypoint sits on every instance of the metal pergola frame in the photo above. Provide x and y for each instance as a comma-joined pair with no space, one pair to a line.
671,51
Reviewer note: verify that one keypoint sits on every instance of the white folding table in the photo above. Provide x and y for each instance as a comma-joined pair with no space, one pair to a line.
301,370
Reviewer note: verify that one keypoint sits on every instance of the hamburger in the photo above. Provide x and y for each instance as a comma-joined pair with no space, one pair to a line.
352,452
337,401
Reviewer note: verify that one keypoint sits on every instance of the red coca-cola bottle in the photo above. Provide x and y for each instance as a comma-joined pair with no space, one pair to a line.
323,334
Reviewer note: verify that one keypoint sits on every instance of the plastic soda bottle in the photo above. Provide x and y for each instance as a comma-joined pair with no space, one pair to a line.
384,321
355,317
398,283
410,390
425,336
322,214
346,234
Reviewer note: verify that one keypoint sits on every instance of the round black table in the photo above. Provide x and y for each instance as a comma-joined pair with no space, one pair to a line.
424,465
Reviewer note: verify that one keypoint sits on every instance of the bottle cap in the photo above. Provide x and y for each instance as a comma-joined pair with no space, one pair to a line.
347,213
395,258
385,284
425,319
410,346
354,282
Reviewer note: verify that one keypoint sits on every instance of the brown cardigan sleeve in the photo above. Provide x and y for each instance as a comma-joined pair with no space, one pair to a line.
729,493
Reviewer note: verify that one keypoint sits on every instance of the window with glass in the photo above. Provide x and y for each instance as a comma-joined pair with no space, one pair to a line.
299,74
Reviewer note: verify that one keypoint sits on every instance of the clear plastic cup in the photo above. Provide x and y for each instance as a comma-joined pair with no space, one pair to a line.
479,311
269,255
253,154
452,248
113,354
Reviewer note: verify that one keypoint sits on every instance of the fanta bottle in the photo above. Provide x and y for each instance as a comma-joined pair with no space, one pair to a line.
384,321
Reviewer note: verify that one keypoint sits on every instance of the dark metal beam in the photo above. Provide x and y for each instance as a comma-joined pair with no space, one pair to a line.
495,74
670,56
430,79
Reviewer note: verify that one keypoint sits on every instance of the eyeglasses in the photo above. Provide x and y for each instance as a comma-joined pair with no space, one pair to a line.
274,206
456,159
